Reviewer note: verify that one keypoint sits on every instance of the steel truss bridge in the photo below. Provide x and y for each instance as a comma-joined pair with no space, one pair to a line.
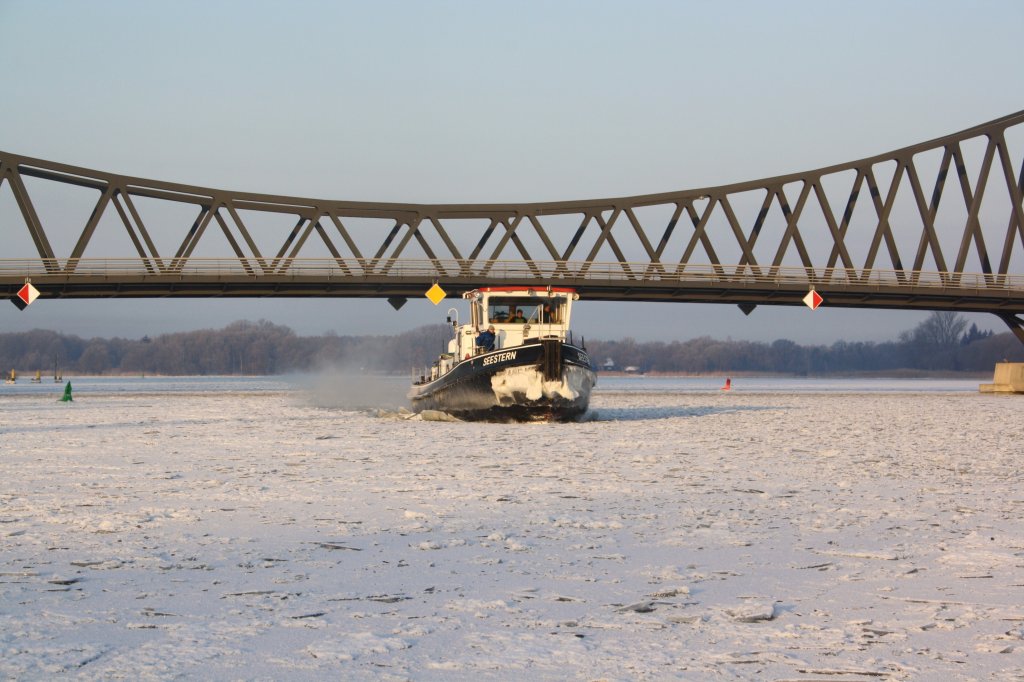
935,226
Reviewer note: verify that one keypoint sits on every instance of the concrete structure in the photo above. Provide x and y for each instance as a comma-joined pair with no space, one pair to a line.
1008,378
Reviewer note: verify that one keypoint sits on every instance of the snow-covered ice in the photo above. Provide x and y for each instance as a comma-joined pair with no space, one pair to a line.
528,382
845,532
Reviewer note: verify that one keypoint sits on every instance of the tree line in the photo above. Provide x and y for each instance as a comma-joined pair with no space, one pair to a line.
244,348
930,347
942,342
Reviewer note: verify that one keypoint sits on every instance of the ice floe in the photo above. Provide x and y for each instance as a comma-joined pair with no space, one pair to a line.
682,534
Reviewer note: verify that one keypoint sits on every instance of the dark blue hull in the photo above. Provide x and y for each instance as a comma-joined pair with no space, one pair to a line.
540,380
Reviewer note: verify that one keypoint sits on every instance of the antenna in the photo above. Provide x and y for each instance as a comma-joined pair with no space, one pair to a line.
453,313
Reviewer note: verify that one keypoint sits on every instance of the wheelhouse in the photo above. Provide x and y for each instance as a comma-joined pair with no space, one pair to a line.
518,314
521,314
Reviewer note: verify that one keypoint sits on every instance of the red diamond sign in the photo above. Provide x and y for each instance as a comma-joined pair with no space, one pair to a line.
25,296
813,299
28,293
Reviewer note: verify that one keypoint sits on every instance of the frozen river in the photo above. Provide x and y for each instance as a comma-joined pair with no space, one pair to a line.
266,529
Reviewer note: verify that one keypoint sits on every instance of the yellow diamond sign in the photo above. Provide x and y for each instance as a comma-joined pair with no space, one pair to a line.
436,294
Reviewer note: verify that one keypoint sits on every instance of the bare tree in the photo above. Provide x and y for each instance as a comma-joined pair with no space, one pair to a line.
943,329
933,343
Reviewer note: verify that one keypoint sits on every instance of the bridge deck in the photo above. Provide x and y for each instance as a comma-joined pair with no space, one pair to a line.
383,278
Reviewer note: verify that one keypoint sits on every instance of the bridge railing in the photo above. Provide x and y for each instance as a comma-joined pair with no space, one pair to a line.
480,272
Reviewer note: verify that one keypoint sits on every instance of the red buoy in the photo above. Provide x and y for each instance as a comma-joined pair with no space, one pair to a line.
728,384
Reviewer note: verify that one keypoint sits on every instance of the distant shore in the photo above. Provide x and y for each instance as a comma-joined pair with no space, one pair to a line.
888,374
24,376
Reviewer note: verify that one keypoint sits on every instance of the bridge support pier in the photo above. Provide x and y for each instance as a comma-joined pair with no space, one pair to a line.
1008,378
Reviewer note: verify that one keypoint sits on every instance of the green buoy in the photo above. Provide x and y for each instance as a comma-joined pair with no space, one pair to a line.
67,394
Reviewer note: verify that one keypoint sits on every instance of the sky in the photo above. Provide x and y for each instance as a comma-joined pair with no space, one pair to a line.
462,102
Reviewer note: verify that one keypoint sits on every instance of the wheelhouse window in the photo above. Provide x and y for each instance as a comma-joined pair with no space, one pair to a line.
525,310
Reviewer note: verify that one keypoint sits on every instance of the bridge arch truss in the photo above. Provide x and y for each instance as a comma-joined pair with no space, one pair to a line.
938,225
